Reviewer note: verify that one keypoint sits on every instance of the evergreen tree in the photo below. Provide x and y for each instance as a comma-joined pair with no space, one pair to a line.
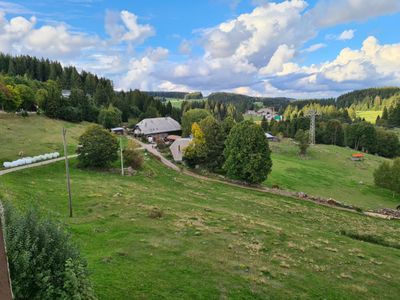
247,153
214,136
264,124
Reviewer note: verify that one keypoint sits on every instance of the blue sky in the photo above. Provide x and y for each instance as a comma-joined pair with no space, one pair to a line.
296,48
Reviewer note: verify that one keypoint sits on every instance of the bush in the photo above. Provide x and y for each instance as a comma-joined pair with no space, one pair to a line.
44,264
302,141
98,148
133,158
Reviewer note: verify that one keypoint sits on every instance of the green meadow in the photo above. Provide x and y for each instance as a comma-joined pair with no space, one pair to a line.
328,171
208,240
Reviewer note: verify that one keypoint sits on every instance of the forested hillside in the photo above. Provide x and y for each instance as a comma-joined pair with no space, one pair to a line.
32,84
369,98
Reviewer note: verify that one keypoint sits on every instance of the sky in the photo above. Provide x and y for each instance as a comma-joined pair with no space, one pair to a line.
294,48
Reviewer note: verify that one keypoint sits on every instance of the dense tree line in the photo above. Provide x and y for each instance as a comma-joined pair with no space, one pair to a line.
244,103
32,84
366,96
335,127
162,94
390,116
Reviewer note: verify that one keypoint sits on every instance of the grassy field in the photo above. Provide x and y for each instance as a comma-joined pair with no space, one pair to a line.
34,135
369,116
178,102
327,171
213,241
254,118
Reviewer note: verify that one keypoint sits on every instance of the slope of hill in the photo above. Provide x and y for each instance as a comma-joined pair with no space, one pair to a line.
327,171
34,135
212,240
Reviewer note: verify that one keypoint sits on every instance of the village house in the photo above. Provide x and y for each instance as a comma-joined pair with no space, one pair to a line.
156,129
177,148
267,112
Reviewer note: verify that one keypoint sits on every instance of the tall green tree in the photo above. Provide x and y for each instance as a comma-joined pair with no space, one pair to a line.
388,176
214,136
264,124
247,153
192,116
110,117
28,101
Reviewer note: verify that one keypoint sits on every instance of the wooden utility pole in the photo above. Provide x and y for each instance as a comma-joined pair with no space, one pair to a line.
122,157
64,133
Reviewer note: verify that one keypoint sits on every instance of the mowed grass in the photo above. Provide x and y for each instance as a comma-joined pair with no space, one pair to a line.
328,171
252,118
177,103
213,241
369,116
35,135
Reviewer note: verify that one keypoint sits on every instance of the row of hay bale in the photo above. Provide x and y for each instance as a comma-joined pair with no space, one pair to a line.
30,160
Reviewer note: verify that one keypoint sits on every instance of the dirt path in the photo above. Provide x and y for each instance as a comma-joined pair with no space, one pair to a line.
155,152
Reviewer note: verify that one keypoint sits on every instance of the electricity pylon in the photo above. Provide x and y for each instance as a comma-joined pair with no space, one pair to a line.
312,114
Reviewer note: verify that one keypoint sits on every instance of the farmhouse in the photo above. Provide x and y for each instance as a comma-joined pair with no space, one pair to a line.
157,128
66,93
178,147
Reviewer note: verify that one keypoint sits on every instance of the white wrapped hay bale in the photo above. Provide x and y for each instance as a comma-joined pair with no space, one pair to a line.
30,160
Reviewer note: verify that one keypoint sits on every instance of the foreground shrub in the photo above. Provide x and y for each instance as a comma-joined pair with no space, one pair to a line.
44,264
133,158
98,148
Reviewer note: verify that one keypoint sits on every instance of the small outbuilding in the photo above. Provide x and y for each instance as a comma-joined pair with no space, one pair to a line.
357,157
118,130
177,148
271,138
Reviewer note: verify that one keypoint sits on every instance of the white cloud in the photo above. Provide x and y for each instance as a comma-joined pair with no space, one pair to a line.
315,47
346,35
13,8
124,26
19,35
185,47
282,55
372,65
257,35
333,12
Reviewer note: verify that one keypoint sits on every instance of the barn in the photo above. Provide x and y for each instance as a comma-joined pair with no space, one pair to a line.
157,128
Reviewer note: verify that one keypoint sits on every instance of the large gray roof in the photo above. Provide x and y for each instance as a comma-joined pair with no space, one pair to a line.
157,125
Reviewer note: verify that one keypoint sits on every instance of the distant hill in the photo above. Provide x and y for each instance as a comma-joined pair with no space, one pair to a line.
246,102
360,95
